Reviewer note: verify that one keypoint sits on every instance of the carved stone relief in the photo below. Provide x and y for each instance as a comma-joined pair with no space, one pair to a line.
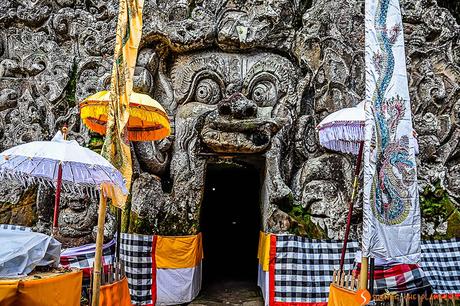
237,77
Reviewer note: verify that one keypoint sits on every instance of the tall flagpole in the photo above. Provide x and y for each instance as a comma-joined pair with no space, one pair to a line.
116,148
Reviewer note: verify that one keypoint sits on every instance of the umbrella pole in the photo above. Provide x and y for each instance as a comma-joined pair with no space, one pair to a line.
57,196
57,200
351,203
118,262
98,255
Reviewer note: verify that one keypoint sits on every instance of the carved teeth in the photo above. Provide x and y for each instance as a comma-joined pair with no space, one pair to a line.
234,142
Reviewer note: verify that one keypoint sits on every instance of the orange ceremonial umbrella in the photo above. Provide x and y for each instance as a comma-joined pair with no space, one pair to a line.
148,120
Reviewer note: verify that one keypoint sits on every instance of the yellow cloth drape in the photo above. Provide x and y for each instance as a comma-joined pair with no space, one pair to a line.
116,294
343,297
54,290
263,253
116,148
173,252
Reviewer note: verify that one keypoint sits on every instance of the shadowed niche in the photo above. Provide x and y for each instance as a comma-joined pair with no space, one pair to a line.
230,222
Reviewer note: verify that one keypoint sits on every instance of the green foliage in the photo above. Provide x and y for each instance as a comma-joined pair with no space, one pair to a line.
95,143
139,225
71,87
433,203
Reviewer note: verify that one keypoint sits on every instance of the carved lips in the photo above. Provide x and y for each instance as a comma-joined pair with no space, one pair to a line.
237,126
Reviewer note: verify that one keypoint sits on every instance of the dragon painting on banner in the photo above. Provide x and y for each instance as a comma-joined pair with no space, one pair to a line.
390,191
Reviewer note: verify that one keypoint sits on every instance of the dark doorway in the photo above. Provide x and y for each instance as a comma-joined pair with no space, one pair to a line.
230,223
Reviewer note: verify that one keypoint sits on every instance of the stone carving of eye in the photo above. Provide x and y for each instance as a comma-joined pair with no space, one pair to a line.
207,91
264,93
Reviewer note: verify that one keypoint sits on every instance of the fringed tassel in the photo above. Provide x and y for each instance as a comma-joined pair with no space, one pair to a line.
150,115
95,126
79,190
92,110
148,135
349,132
93,117
342,138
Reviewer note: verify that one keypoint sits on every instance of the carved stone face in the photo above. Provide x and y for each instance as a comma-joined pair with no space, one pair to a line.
77,217
246,98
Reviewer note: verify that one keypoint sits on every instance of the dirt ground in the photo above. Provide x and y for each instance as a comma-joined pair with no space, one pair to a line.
229,293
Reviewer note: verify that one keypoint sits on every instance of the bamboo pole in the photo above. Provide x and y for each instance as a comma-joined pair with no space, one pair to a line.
363,273
98,256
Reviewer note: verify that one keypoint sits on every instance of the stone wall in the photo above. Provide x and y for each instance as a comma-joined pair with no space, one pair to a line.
235,77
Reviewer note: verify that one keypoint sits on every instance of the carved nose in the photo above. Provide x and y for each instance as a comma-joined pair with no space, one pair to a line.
237,106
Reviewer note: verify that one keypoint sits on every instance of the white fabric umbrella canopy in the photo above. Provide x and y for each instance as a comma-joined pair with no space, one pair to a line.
38,162
343,130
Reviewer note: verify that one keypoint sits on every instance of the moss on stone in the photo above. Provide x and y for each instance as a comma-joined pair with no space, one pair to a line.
22,213
139,225
437,208
302,224
95,143
71,87
453,224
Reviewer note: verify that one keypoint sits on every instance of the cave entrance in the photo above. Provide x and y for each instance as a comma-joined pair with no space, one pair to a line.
230,222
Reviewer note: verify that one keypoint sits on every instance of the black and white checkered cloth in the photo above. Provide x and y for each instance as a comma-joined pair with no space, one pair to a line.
441,264
136,255
304,267
12,227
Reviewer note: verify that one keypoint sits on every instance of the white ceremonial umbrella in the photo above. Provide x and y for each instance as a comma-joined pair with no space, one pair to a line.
60,162
343,130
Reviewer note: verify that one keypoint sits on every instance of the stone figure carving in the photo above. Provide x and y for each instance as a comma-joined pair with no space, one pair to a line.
77,218
246,77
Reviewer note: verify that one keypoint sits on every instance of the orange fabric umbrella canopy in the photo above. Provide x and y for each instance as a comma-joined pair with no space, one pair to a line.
148,120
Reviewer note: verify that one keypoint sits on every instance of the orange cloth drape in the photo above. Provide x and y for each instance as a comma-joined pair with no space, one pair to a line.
8,290
343,297
56,290
116,294
176,252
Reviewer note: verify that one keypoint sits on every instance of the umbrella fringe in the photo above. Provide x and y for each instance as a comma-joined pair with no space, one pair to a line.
343,138
77,190
90,113
342,146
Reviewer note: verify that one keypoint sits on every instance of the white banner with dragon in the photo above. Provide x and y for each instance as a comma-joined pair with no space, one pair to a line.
391,206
